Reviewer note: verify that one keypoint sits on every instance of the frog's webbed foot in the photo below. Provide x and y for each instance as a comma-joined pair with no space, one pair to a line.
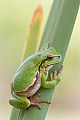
55,74
35,101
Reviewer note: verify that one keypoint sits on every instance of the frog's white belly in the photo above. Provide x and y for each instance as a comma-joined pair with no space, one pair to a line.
34,88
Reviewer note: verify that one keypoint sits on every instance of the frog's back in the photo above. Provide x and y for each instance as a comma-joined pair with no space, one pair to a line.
26,73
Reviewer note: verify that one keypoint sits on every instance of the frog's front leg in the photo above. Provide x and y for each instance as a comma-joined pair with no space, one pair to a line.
19,101
54,79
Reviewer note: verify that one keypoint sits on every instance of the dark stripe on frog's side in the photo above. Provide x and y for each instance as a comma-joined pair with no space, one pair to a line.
32,89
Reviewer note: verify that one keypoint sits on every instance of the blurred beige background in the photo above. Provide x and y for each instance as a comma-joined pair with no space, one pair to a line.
15,17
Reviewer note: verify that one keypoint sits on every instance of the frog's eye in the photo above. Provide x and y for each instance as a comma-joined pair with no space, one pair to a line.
50,57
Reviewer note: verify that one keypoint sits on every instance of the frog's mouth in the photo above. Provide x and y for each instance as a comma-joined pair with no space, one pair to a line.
49,58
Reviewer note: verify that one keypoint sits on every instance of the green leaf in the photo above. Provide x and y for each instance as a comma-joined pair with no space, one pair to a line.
32,42
58,31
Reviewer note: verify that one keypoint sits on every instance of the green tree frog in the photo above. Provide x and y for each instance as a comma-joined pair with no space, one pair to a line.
31,75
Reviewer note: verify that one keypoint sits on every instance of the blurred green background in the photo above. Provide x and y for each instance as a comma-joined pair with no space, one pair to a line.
15,17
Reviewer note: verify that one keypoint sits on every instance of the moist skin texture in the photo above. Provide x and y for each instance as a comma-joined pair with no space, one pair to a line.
32,89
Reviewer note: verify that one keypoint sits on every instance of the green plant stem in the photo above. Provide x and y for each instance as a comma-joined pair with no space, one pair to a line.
58,31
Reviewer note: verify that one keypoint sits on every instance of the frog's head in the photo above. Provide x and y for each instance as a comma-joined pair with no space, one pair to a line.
52,58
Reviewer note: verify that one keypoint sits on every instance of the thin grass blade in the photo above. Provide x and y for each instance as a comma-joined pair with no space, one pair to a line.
30,47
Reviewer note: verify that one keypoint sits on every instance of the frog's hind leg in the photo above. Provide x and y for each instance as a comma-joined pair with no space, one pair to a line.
35,101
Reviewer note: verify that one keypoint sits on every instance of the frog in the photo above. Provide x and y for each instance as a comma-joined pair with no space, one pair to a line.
31,75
